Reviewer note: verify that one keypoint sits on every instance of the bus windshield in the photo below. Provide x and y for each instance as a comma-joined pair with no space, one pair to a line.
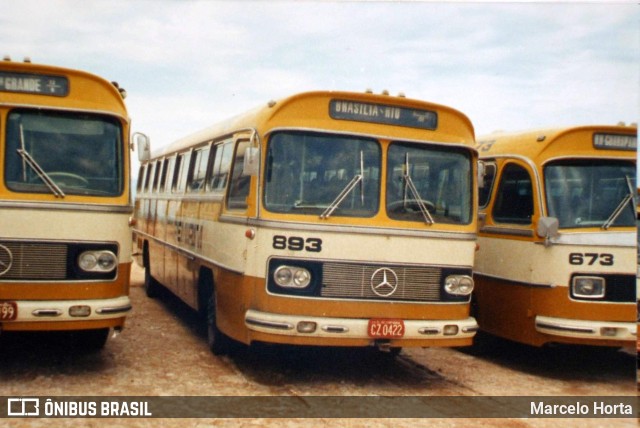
323,174
429,183
587,193
63,153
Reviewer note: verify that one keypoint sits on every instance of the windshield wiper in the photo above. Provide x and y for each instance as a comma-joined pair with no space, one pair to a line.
29,160
626,200
347,189
414,192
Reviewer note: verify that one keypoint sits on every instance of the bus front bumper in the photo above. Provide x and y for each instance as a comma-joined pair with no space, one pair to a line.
65,310
585,329
354,328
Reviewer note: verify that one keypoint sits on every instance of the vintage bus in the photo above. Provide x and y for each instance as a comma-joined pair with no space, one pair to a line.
65,207
325,218
557,237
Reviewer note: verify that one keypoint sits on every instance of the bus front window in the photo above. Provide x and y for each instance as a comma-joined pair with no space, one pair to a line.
586,193
428,183
307,172
63,153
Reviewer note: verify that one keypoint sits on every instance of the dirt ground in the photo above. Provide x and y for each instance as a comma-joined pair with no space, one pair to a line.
163,352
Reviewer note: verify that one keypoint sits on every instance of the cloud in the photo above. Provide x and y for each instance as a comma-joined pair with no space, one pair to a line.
186,64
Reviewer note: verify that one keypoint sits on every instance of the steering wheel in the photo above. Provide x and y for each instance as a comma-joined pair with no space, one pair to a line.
410,205
68,179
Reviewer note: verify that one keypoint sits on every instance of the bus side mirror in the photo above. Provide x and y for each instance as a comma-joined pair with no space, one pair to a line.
547,229
251,161
142,144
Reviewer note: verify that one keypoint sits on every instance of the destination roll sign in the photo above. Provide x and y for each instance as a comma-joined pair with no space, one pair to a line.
384,114
37,84
615,141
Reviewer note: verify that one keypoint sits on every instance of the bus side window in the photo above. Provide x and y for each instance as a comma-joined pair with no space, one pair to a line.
163,175
220,167
150,171
484,193
176,172
186,167
167,180
141,172
514,198
200,163
239,185
156,176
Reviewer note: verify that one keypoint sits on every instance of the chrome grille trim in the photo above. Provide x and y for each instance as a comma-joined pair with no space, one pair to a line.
36,261
353,281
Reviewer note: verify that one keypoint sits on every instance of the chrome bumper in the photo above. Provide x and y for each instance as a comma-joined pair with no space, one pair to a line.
354,328
586,329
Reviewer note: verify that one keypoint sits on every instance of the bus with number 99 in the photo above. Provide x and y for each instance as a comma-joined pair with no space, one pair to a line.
65,205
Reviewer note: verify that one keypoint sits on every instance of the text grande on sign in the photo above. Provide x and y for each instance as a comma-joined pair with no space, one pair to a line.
37,84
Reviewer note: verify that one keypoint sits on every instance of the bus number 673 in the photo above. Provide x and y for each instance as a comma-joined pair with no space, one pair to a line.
590,259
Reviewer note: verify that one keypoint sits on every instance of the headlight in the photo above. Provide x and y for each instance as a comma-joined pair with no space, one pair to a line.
458,285
588,287
292,277
97,261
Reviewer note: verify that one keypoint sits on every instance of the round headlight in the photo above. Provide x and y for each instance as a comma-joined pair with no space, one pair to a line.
458,285
302,278
292,277
97,261
282,276
107,261
465,286
87,261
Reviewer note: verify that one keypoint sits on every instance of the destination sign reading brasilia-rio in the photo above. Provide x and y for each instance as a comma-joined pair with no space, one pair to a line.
384,114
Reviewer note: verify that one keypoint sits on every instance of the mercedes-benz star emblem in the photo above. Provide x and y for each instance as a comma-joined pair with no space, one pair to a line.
384,282
6,259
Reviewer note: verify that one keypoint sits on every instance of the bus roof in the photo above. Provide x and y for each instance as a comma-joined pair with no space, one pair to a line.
25,83
546,143
312,110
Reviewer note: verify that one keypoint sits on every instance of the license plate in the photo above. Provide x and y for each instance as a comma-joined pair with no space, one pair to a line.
8,311
386,328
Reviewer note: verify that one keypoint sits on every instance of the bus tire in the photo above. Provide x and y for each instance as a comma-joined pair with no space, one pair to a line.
218,342
89,340
151,286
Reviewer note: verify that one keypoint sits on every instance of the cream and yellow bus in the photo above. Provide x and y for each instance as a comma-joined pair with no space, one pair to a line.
557,238
325,218
65,240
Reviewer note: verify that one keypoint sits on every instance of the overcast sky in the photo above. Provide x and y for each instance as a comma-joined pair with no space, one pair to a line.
188,64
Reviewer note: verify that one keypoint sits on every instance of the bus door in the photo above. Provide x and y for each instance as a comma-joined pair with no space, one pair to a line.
233,227
508,238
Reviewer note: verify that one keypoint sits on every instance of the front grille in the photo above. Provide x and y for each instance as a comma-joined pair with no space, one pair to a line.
34,261
351,280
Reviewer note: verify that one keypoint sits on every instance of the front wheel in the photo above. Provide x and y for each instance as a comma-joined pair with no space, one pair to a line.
151,286
90,340
219,343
